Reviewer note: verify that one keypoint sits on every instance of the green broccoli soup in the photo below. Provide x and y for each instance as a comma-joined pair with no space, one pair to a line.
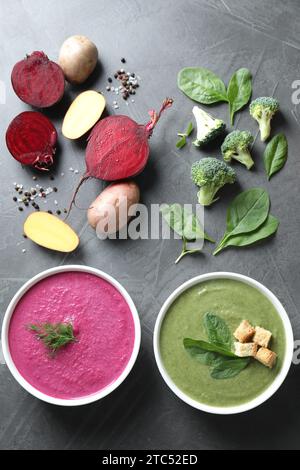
226,304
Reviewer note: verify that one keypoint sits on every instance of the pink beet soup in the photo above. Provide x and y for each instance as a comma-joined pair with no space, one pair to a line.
103,326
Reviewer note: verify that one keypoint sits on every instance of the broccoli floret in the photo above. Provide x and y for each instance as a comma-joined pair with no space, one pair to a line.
236,146
210,174
262,110
208,128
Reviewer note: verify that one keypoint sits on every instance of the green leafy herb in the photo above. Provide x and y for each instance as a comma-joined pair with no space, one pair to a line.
217,330
54,335
201,85
205,87
248,211
181,142
217,352
275,155
208,358
268,228
186,250
207,347
183,135
239,91
186,225
228,368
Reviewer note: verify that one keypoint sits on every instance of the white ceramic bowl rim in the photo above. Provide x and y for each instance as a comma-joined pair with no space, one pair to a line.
89,398
274,386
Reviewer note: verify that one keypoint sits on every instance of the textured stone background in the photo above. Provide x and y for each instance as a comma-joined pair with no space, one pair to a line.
157,38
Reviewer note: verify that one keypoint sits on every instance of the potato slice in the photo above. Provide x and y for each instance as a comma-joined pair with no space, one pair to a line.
83,114
49,231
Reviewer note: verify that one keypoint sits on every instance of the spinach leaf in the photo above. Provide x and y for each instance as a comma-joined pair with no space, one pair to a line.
184,222
217,331
227,368
275,154
239,91
248,211
216,353
201,85
246,214
208,347
199,353
268,228
186,225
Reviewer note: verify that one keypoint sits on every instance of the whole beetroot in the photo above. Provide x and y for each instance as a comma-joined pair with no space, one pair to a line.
38,81
31,139
118,147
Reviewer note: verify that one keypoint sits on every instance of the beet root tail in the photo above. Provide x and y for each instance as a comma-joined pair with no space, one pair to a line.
83,179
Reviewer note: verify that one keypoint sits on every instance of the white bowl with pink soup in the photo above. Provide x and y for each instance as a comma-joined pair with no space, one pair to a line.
106,335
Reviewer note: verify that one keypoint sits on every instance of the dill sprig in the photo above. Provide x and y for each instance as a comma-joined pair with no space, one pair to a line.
54,335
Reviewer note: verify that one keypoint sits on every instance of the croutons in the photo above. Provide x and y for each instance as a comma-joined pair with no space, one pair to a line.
245,332
262,337
266,357
245,349
258,348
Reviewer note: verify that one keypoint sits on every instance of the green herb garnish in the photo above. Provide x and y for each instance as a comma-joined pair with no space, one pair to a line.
183,135
248,219
239,91
54,335
186,225
275,155
206,87
217,352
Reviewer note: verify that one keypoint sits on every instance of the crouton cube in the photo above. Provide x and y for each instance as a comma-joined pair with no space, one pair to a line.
266,357
245,349
244,332
262,337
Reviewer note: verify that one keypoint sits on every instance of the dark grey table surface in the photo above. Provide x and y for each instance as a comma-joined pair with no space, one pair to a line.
157,38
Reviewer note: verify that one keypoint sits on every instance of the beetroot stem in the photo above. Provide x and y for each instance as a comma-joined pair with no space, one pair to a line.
167,103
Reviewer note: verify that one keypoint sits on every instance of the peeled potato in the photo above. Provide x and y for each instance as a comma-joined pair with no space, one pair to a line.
78,58
83,114
50,232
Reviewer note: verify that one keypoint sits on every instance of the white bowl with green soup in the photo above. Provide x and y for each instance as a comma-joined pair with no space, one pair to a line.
223,343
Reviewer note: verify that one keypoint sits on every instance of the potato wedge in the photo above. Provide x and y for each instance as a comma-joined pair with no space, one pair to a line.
83,114
49,231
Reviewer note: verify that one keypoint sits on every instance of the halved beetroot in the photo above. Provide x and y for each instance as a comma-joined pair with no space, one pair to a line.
38,81
31,139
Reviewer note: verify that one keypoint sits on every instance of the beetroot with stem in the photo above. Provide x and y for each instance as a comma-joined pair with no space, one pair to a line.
118,147
31,139
38,81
